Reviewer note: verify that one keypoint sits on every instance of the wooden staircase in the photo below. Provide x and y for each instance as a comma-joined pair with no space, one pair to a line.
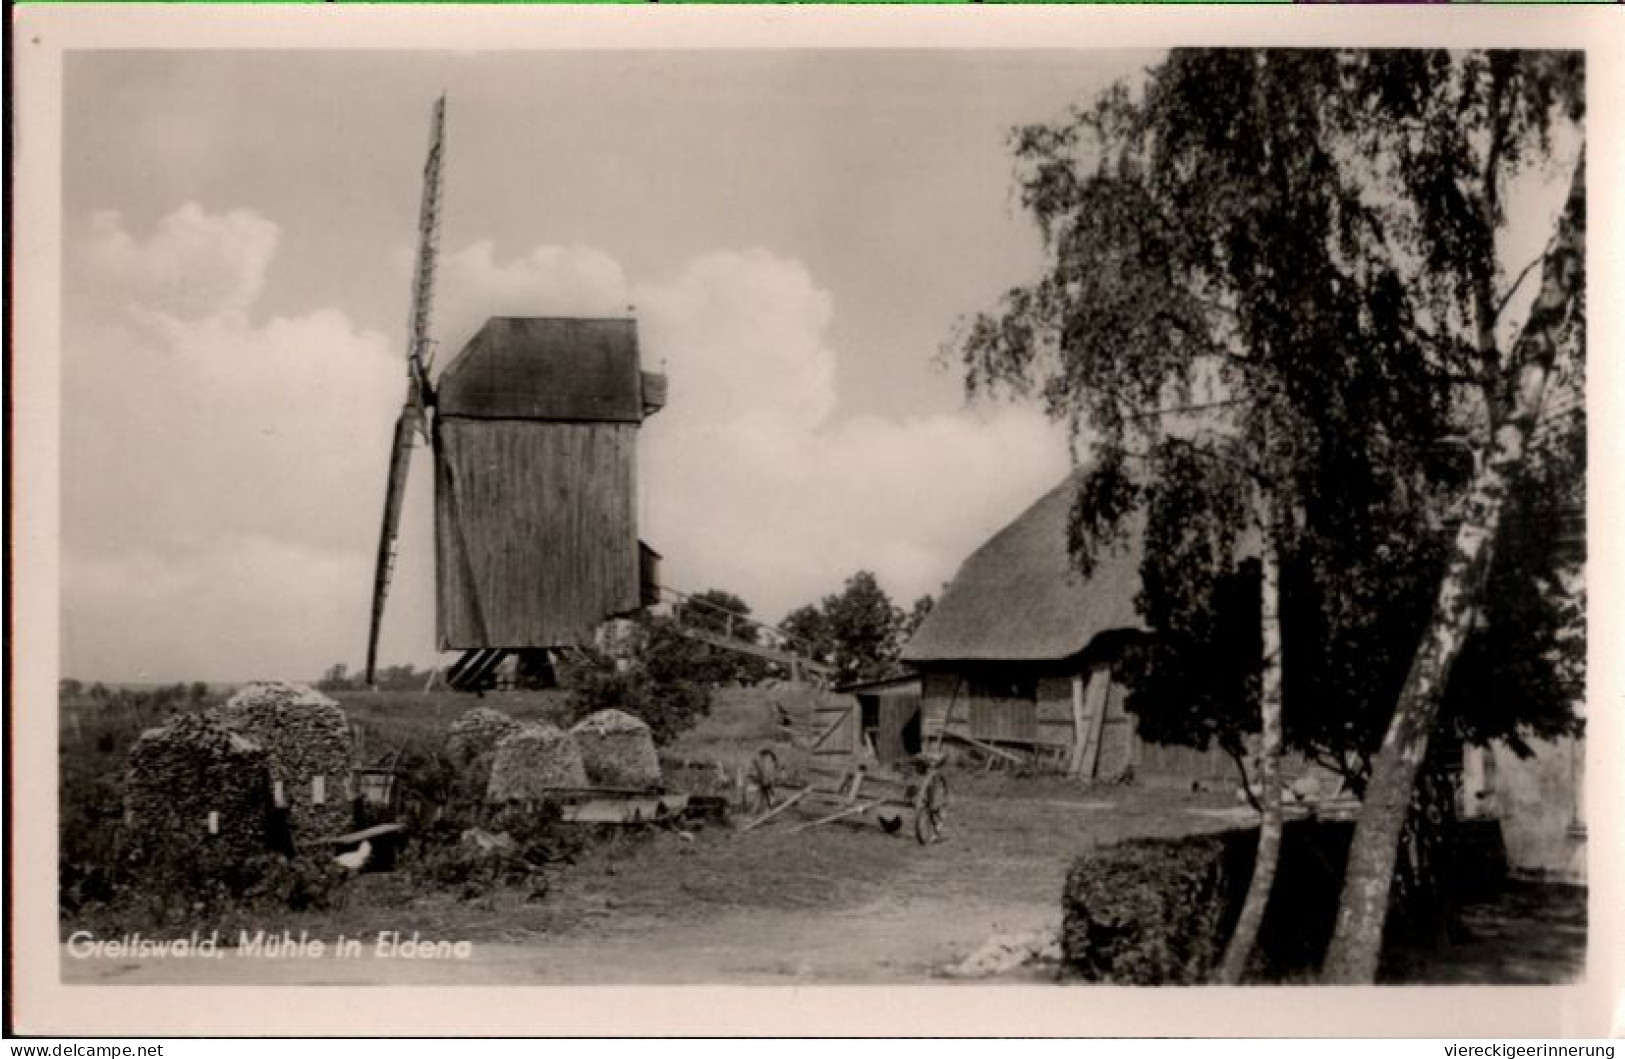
476,670
744,635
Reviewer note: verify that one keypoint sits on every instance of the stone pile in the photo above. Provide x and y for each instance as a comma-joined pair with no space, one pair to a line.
197,801
617,750
311,751
471,743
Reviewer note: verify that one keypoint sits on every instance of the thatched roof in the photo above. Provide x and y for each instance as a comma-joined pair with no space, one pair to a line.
1019,598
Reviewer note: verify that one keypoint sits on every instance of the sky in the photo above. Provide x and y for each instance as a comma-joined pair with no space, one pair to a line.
796,233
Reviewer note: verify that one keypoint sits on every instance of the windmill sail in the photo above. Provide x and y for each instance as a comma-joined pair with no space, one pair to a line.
413,420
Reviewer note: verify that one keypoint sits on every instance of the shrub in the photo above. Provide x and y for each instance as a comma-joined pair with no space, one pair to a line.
1147,912
1159,911
658,683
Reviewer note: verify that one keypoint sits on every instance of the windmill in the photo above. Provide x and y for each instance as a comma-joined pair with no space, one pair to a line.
413,422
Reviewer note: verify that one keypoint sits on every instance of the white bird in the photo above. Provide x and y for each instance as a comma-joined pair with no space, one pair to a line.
356,858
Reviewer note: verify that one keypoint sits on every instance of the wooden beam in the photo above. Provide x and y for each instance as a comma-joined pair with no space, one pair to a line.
1080,726
1086,753
948,718
1102,679
744,647
988,747
851,810
777,809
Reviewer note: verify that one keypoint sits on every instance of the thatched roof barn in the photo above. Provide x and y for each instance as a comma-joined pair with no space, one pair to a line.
1020,598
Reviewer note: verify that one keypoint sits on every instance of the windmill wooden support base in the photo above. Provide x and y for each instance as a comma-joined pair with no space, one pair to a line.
888,796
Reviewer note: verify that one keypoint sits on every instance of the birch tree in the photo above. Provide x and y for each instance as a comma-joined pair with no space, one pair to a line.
1272,292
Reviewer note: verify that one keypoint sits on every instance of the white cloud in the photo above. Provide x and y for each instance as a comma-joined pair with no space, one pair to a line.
548,281
193,263
751,484
217,470
744,337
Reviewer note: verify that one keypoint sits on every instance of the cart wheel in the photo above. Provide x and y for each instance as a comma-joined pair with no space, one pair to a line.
761,782
929,806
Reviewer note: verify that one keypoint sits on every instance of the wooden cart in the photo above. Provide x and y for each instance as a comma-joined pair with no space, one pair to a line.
885,794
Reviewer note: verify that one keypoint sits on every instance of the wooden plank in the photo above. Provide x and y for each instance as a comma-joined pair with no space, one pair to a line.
948,718
851,810
1080,725
1100,684
987,747
846,713
777,809
745,647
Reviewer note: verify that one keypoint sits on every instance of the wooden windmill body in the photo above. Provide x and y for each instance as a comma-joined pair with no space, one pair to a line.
535,443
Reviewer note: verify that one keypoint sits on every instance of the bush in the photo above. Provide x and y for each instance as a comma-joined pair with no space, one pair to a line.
1148,911
1159,911
307,882
661,683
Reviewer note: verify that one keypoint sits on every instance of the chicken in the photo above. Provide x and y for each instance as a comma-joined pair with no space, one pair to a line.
357,858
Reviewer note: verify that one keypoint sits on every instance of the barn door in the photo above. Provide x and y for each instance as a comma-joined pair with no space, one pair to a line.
837,730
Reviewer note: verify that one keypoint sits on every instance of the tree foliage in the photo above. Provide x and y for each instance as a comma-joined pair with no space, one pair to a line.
659,678
722,612
858,631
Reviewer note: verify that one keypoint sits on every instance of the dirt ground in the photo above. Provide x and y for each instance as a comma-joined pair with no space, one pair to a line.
840,903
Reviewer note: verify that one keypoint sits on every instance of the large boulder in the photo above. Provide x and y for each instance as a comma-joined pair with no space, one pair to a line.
617,749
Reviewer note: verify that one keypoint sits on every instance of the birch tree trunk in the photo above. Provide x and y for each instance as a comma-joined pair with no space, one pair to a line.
1357,942
1245,935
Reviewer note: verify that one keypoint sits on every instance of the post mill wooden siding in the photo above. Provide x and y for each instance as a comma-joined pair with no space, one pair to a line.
536,530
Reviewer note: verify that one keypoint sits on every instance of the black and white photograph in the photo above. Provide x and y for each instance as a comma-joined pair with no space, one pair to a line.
824,511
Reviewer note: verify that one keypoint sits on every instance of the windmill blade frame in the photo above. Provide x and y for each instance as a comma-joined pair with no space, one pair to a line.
414,418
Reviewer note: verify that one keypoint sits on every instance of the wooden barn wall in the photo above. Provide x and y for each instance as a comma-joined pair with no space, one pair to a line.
536,530
1055,711
937,693
894,709
995,716
1051,722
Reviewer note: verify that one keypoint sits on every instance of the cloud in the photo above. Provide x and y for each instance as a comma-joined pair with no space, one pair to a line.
548,281
744,335
754,484
193,263
205,452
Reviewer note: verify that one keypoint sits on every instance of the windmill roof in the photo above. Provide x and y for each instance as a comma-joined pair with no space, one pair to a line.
1019,598
546,367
